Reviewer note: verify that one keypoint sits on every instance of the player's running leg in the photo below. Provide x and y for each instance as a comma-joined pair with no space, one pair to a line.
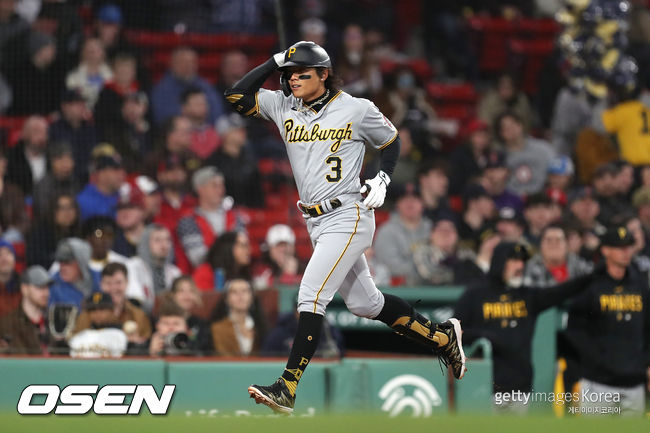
334,254
364,299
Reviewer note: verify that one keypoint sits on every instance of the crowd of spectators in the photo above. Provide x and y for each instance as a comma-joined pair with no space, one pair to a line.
128,193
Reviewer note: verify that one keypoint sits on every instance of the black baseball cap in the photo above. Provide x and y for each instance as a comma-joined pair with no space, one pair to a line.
98,301
617,236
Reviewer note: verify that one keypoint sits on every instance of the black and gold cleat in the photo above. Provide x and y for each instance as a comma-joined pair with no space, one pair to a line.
451,353
276,396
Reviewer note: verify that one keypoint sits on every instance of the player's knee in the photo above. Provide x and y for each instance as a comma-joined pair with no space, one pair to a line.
370,309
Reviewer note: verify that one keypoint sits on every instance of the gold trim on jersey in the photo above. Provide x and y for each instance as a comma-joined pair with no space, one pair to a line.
255,110
333,98
388,142
234,97
356,224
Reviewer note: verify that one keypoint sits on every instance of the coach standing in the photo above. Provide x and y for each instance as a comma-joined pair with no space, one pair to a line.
609,323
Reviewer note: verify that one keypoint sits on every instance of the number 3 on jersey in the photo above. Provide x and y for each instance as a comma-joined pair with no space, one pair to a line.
335,163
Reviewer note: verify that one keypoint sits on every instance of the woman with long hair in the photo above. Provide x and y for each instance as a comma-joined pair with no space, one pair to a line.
229,257
239,326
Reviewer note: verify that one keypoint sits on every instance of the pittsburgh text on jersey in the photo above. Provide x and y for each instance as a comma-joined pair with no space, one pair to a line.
297,133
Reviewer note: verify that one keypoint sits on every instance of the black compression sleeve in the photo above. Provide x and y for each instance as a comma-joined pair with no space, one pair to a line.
389,156
253,80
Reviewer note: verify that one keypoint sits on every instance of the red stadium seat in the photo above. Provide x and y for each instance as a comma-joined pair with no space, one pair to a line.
527,57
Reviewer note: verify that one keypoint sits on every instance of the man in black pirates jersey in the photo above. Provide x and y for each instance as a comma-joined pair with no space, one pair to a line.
505,312
609,325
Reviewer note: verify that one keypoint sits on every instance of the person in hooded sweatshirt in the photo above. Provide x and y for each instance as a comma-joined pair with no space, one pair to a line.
72,282
152,271
504,311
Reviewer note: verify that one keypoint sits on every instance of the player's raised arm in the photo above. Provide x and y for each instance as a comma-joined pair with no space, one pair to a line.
243,94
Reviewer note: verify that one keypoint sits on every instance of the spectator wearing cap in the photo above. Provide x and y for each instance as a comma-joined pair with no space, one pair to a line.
101,195
560,173
35,73
73,127
26,161
176,201
608,326
433,185
479,209
9,278
182,74
228,258
442,261
73,281
527,158
396,239
25,329
152,270
134,321
140,203
104,337
236,162
59,221
59,178
92,72
641,202
107,110
606,192
210,218
538,213
131,135
469,160
510,225
194,106
495,182
279,264
554,263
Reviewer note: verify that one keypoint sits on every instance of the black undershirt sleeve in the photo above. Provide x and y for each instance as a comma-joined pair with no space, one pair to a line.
242,94
389,156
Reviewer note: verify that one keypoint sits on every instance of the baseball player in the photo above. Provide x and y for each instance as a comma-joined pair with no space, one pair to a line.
325,131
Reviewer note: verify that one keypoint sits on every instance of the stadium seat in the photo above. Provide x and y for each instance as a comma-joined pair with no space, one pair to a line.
527,57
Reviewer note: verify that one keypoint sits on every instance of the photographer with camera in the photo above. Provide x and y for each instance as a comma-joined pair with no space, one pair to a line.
171,336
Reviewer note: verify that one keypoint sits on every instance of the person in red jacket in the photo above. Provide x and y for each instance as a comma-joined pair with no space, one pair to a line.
212,216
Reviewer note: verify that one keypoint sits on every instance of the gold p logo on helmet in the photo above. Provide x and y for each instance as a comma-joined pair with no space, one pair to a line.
622,232
291,51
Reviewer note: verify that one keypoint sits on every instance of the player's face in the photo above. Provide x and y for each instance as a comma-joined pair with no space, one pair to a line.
618,256
305,83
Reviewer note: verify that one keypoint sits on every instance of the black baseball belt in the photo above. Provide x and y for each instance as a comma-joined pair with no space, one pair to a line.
321,208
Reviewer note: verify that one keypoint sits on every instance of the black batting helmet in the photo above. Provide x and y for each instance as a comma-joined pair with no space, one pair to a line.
305,53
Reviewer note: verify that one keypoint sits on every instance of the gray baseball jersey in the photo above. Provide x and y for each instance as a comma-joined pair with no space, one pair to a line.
326,148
